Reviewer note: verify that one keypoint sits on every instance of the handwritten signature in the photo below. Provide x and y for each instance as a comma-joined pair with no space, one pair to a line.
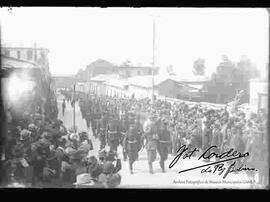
218,166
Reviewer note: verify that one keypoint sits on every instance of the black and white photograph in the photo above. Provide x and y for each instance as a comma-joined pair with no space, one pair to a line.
134,98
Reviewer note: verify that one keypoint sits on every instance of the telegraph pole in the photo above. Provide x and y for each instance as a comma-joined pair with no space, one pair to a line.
153,64
74,126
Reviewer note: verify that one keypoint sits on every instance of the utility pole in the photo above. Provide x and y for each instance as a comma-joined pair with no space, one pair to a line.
153,64
74,126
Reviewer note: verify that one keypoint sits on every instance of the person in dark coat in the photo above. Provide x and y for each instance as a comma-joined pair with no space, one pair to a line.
113,136
63,107
102,131
95,118
131,145
124,126
139,128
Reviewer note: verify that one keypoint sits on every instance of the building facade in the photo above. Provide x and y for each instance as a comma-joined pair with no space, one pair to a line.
184,89
258,95
35,55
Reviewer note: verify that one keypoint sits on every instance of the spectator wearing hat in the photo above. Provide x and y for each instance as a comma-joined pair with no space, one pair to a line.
217,137
68,175
109,178
94,168
84,180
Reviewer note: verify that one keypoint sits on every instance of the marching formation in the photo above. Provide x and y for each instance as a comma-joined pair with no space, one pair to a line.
41,152
162,127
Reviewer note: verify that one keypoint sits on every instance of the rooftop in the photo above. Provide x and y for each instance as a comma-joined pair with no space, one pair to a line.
22,47
11,62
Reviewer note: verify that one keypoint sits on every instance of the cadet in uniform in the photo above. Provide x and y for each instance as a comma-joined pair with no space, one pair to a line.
102,131
131,144
150,134
163,143
88,113
124,126
113,136
63,107
139,129
95,118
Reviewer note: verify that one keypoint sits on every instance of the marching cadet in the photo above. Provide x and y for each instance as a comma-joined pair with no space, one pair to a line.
63,107
163,143
88,112
139,129
113,136
95,118
150,134
102,131
124,126
131,145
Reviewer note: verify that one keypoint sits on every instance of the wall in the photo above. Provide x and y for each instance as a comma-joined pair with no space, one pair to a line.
116,91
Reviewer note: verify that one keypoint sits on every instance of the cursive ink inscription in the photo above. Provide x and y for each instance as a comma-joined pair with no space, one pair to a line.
227,154
214,167
180,152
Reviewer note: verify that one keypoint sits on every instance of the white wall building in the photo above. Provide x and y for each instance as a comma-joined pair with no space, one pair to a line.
116,87
258,95
35,55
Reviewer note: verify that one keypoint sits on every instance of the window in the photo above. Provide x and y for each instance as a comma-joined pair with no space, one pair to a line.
29,55
139,72
149,71
19,54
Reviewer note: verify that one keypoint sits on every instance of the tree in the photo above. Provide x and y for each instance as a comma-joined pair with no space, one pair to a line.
230,78
199,67
222,81
245,71
81,75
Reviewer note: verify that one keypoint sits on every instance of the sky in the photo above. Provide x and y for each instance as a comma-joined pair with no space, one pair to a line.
76,37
